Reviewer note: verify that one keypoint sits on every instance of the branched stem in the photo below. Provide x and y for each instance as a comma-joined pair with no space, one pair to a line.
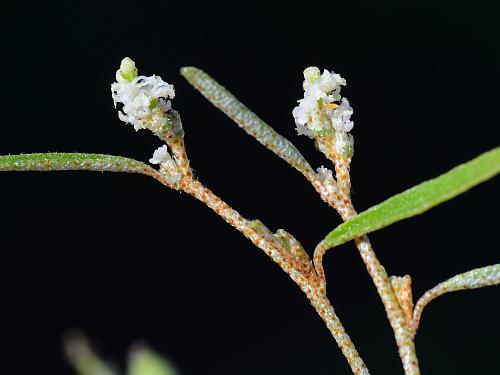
145,105
308,282
340,200
396,316
299,269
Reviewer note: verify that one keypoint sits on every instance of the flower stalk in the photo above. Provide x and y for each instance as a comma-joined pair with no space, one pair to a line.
325,116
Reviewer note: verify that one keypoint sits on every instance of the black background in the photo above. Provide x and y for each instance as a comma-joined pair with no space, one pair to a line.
124,259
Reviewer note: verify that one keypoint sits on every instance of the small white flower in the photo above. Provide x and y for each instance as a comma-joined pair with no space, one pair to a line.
326,177
341,116
168,166
324,173
171,171
343,144
161,155
144,98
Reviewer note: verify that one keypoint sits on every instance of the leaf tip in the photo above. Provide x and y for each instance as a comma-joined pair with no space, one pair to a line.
189,71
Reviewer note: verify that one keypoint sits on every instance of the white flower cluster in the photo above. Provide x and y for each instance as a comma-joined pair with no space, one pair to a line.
168,166
144,98
323,111
160,155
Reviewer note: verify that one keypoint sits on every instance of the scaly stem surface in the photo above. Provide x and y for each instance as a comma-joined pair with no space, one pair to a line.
309,283
395,314
339,198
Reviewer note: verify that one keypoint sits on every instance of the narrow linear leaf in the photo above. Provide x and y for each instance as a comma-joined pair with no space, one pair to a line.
477,278
418,199
246,119
72,161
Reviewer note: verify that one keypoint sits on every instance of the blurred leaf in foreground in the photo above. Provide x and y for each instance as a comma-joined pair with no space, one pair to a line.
82,358
143,361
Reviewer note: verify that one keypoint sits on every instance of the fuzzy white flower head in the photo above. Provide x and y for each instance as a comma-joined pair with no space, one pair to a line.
145,99
322,110
317,112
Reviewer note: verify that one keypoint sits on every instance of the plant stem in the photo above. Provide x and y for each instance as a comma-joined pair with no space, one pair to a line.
309,283
402,332
340,200
325,310
299,270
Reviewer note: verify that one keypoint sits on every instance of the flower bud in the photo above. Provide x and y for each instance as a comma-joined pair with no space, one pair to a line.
128,70
312,74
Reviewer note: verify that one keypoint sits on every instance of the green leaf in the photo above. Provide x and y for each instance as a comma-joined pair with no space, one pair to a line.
73,161
418,199
246,119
